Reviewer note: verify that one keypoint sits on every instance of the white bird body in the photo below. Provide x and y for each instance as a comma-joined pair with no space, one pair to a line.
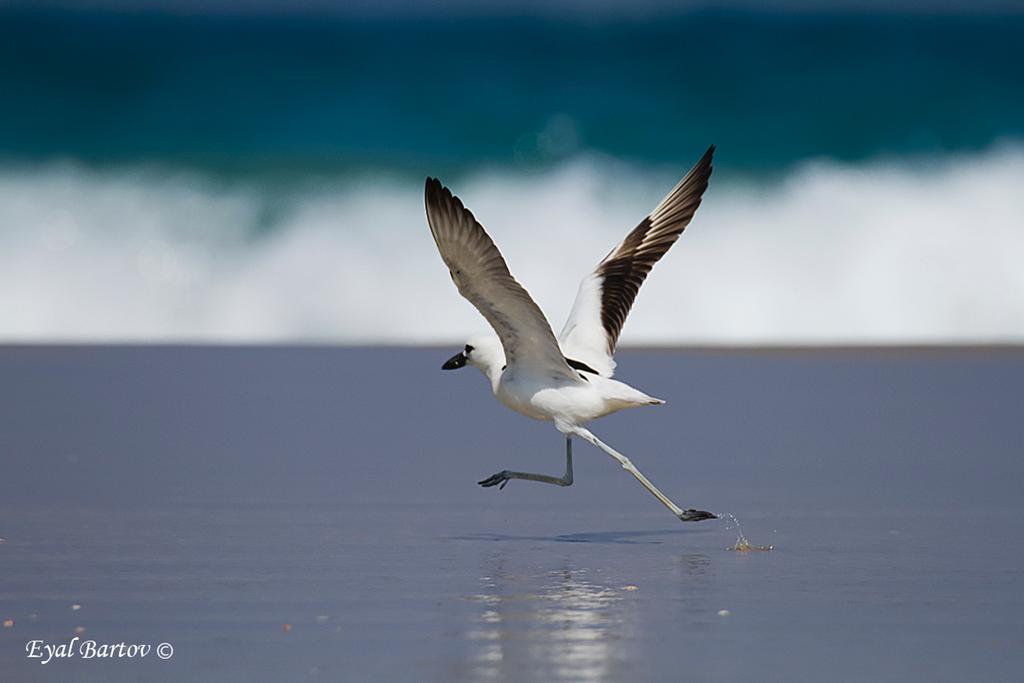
569,403
542,396
567,380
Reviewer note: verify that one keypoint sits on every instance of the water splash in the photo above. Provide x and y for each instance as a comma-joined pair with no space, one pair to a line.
742,545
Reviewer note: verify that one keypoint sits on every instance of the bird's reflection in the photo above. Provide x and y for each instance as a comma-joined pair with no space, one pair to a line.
560,624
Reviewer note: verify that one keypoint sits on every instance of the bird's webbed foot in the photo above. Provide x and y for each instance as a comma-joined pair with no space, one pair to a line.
499,479
693,515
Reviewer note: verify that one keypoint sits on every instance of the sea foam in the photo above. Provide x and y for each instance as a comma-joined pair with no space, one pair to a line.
891,251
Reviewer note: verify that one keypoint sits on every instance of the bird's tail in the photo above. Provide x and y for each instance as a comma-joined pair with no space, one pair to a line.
631,395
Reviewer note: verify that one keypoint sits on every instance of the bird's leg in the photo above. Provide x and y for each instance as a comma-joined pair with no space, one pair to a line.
690,515
505,476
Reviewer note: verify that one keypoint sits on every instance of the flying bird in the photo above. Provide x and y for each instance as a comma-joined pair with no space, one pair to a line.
566,380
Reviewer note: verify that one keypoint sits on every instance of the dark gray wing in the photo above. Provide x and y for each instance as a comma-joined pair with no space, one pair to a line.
483,278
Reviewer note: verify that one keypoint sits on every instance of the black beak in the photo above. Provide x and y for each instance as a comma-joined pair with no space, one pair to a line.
455,362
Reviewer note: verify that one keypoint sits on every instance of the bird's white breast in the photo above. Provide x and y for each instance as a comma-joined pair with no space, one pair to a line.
518,391
542,399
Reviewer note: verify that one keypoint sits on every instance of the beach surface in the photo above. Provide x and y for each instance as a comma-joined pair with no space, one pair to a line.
311,513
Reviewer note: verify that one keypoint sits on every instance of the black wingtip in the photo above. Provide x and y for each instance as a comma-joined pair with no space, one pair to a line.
433,191
704,166
708,155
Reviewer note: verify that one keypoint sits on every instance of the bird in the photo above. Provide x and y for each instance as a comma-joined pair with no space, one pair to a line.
566,380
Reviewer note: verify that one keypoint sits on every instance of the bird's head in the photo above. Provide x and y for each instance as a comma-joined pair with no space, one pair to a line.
482,351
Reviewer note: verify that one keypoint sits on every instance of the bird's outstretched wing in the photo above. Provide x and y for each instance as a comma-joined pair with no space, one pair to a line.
480,273
606,295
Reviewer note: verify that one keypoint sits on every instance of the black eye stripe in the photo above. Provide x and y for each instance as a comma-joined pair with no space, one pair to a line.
469,349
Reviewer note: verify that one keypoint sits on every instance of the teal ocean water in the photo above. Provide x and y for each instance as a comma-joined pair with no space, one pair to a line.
311,93
237,177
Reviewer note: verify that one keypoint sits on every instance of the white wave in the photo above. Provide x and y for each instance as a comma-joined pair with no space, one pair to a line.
890,251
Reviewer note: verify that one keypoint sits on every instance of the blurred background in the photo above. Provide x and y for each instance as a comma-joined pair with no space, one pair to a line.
220,171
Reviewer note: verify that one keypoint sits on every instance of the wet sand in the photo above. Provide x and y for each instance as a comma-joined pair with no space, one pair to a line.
312,513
